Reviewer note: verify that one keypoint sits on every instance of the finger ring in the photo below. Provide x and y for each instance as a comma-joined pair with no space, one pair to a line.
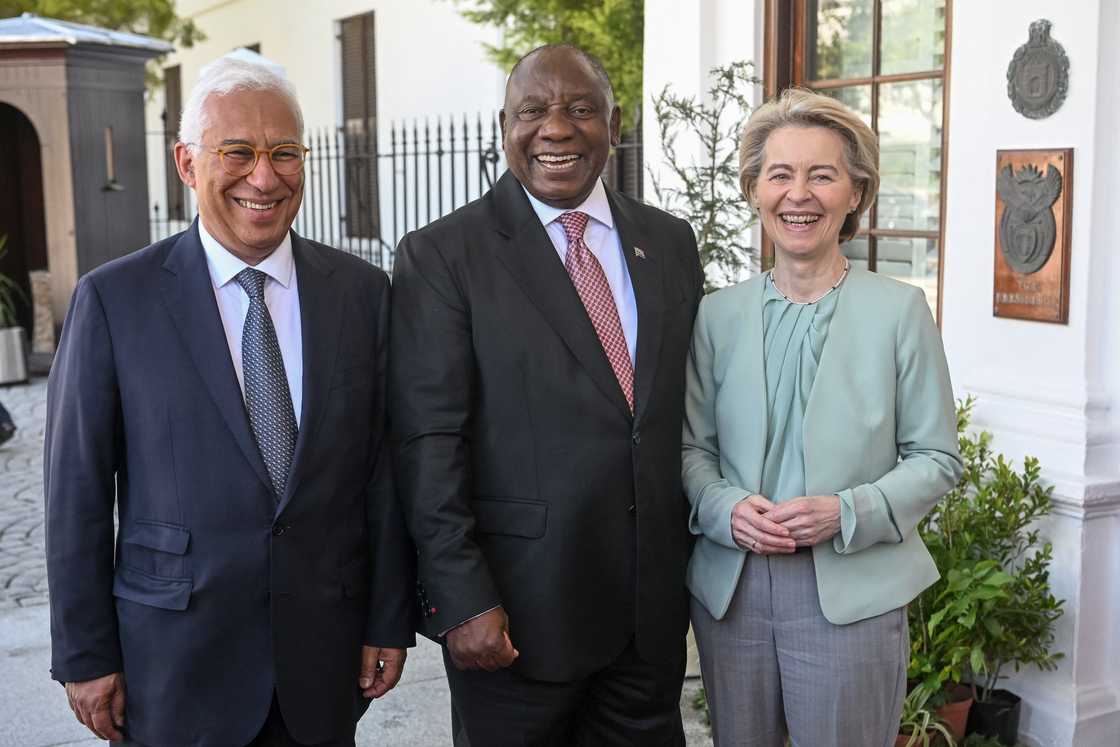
754,545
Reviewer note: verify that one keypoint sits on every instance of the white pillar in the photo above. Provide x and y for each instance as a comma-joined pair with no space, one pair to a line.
1048,390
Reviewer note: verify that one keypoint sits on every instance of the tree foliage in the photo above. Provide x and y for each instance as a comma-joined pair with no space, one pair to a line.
611,30
155,18
704,190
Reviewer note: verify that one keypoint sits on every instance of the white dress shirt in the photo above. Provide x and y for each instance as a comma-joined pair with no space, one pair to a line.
602,239
281,297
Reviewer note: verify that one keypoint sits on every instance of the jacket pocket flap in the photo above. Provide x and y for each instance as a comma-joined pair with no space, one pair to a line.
165,593
157,536
518,518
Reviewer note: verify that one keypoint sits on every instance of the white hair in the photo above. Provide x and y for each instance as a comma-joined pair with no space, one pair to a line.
225,75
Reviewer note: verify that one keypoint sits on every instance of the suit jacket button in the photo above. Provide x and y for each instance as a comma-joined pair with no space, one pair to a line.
632,508
637,438
278,529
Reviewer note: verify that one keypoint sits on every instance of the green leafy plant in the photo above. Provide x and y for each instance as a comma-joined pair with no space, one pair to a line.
992,608
705,190
10,292
919,724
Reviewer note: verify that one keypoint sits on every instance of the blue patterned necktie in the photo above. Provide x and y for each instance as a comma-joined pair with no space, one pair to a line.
267,398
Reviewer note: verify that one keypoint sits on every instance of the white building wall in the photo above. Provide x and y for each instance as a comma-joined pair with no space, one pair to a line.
1045,390
683,42
1048,390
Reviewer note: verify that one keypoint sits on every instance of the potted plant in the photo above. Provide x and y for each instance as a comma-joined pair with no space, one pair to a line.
13,356
992,608
918,726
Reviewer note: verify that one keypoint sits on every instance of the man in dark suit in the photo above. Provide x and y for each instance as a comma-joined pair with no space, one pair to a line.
537,373
225,388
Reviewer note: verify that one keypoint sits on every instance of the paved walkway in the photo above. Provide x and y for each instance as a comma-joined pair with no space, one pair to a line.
23,575
33,711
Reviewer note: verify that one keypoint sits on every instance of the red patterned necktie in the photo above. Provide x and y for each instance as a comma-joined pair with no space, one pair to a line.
595,293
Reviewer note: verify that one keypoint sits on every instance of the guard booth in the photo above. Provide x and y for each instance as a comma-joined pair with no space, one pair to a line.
73,169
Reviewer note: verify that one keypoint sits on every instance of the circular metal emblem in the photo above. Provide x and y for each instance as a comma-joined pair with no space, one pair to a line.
1038,76
1027,229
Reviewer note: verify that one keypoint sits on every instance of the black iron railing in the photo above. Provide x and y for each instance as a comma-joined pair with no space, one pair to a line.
363,193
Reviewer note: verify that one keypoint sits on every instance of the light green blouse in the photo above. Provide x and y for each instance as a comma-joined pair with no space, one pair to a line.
793,338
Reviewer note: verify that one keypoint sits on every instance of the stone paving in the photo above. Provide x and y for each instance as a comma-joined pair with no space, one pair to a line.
33,711
23,573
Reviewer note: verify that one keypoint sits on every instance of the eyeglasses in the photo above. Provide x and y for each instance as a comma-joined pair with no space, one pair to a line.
239,160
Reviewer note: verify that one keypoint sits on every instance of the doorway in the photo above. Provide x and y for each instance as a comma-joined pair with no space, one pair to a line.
21,206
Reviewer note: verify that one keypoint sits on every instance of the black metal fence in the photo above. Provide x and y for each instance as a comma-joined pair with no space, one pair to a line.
363,193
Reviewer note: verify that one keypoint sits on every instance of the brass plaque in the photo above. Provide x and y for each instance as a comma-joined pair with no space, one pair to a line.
1034,201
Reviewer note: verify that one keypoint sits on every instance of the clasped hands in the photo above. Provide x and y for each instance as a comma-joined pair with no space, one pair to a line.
99,704
768,528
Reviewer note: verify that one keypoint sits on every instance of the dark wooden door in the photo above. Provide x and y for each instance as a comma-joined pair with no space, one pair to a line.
21,204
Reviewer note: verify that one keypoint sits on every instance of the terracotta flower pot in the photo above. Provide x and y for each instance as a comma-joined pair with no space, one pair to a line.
903,740
955,711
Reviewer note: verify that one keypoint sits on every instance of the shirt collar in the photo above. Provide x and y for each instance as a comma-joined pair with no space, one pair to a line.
224,265
596,205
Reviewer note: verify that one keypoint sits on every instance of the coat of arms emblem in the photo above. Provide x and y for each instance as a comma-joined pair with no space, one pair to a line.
1027,229
1038,76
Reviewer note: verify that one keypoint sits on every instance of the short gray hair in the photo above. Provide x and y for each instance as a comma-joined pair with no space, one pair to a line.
799,107
226,75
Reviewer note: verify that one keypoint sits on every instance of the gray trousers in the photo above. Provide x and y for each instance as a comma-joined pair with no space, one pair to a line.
775,666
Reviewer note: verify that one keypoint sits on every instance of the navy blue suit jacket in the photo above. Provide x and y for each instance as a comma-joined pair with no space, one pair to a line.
210,595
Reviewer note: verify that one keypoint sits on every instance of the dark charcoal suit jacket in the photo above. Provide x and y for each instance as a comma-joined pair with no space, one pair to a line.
213,595
526,482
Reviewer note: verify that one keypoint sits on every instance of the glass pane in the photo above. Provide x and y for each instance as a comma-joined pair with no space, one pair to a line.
839,41
913,36
912,261
856,98
856,251
910,155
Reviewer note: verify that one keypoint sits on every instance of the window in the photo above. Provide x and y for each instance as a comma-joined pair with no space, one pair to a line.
176,191
359,124
886,59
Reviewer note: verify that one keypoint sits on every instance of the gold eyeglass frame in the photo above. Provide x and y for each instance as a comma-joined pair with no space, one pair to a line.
257,153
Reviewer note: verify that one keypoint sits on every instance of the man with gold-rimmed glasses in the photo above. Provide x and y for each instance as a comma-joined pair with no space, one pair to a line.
224,389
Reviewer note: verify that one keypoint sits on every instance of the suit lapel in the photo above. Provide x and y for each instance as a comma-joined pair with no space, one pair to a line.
530,257
189,296
752,368
646,269
320,311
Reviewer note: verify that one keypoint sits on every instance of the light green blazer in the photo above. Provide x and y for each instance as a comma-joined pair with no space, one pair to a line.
880,431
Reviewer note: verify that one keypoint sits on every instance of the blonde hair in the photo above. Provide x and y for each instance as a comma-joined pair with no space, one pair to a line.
798,107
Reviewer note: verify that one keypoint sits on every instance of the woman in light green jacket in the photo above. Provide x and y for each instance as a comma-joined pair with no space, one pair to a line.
819,429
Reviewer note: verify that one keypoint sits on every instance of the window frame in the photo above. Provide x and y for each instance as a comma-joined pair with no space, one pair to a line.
784,55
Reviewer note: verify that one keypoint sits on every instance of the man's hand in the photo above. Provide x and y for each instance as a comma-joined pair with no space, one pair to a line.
381,670
482,643
810,519
99,704
753,527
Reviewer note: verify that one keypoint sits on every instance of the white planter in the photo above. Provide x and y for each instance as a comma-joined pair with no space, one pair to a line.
13,357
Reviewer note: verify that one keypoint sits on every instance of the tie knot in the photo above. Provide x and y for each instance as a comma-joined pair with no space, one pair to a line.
253,283
574,224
